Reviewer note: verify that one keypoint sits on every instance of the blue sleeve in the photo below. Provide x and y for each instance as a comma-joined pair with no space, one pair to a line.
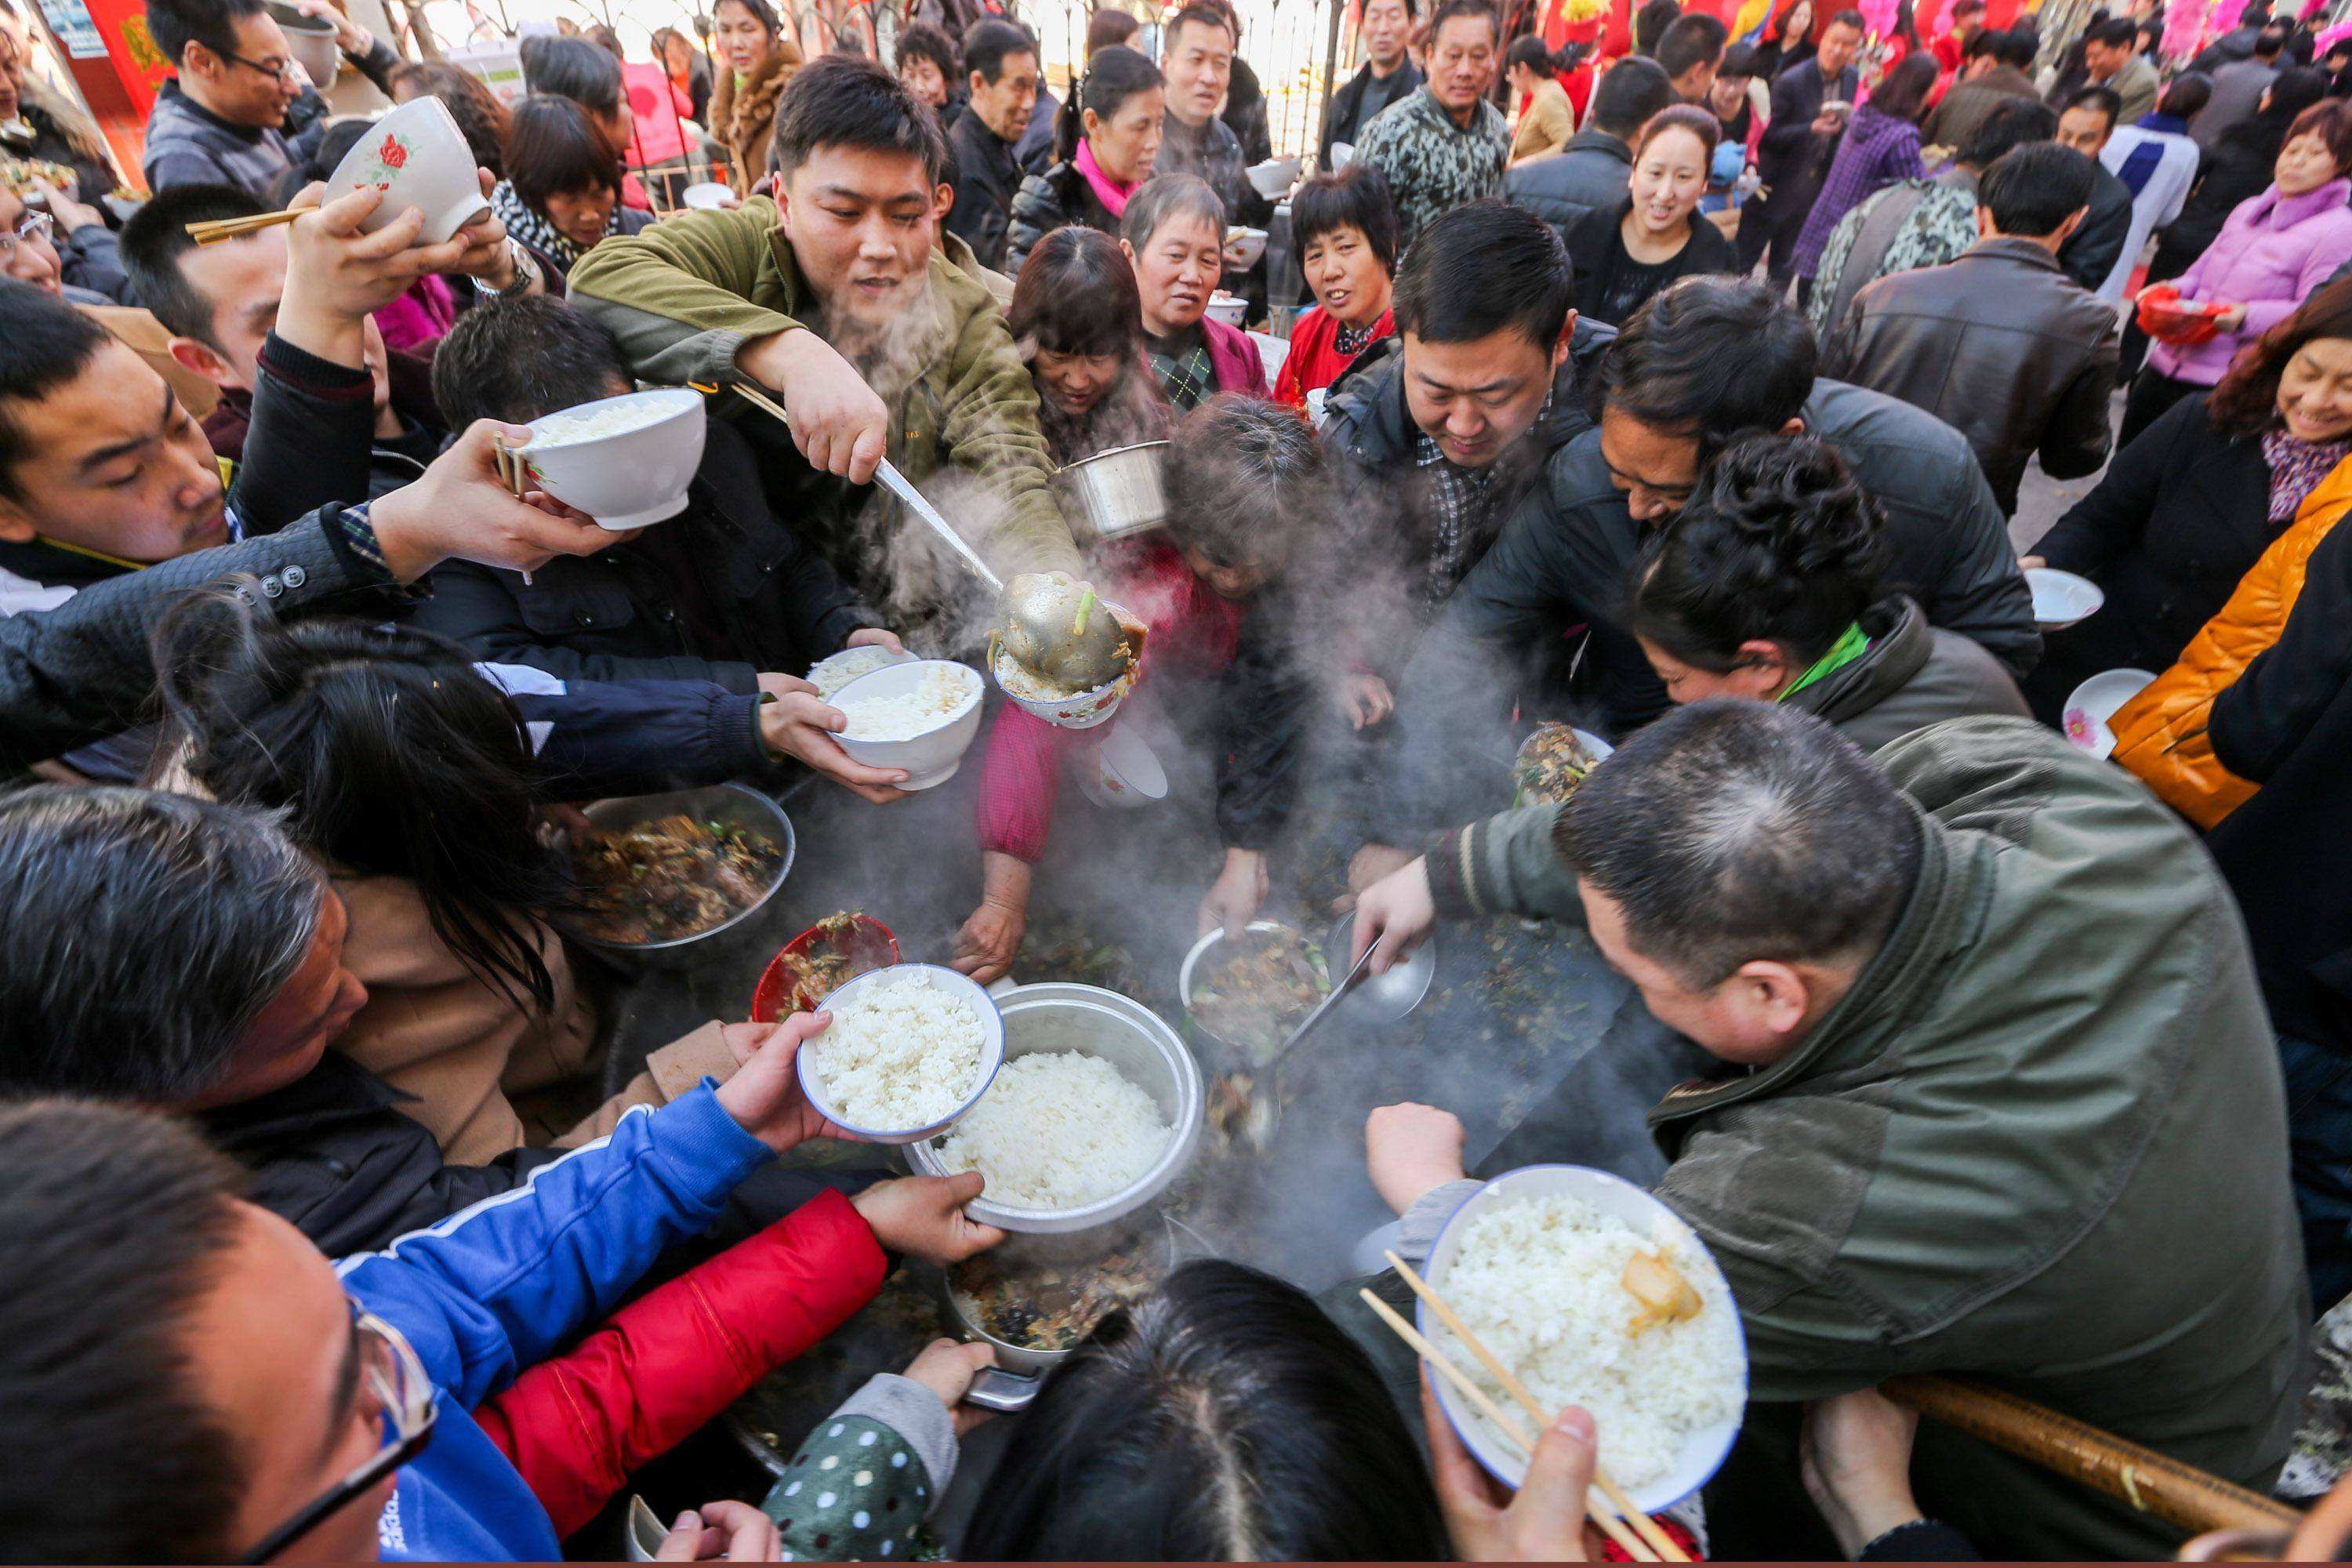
594,738
494,1288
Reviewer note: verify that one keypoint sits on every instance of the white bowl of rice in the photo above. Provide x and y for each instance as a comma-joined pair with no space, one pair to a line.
1064,707
910,1048
920,716
831,673
625,461
1533,1262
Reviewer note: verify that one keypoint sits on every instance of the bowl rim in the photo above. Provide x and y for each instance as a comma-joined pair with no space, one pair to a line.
791,856
1656,1495
2065,581
991,1056
1210,939
682,399
963,709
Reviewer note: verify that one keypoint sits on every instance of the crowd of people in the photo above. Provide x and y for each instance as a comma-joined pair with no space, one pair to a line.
1686,390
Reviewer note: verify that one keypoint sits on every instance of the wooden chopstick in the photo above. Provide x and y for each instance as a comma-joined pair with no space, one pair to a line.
231,227
1609,1524
1641,1523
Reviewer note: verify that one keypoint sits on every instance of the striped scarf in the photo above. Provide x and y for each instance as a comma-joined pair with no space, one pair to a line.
534,230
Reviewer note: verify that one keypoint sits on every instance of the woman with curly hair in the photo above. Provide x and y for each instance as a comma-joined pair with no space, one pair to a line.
756,63
1770,585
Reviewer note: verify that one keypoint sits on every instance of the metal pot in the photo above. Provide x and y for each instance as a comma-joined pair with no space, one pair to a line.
730,802
1119,494
1020,1370
311,41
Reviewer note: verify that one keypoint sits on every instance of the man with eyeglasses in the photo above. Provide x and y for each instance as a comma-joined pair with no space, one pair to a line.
239,111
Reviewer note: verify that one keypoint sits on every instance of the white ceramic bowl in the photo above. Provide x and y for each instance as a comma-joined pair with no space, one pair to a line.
1315,400
1230,309
2060,599
1084,711
418,158
1703,1454
1244,247
710,197
1124,773
992,1051
312,41
931,758
1342,154
822,675
1274,177
628,480
2093,702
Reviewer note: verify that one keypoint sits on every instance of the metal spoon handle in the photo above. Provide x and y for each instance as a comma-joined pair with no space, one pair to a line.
1329,1000
899,485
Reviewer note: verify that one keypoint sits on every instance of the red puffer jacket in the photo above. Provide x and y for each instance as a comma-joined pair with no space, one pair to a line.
578,1425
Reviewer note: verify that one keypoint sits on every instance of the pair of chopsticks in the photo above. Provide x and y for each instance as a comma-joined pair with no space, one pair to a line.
513,468
233,227
1646,1543
749,394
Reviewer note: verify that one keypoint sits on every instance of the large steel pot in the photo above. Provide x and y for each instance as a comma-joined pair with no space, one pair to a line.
1117,494
731,802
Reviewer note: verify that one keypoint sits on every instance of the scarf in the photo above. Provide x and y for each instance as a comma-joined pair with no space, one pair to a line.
1107,190
534,230
2296,467
1843,652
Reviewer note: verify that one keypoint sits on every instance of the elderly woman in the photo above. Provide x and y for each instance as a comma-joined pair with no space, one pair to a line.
1174,235
1625,253
1105,144
561,194
1345,227
1076,315
755,65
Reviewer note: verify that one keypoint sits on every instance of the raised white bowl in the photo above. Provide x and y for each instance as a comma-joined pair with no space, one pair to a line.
931,758
631,478
2093,702
2060,599
418,158
1274,177
1244,247
992,1051
1704,1452
1124,773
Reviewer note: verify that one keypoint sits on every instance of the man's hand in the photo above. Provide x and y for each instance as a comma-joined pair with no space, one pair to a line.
730,1531
71,215
1233,899
764,1097
459,507
1543,1521
796,723
1398,911
1855,1456
946,1367
923,1216
1411,1151
876,637
335,275
1364,699
840,425
487,258
349,36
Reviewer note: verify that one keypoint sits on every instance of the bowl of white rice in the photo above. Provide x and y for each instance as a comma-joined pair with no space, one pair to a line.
1534,1264
1096,1111
920,716
830,675
1067,707
625,461
910,1048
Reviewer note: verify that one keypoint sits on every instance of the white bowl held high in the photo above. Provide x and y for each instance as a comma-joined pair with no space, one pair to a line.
418,158
632,477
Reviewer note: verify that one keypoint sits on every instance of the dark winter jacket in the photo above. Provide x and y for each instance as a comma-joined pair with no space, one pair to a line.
1244,113
986,179
2091,251
1912,675
309,438
1610,285
1348,114
719,593
1590,171
1049,201
188,143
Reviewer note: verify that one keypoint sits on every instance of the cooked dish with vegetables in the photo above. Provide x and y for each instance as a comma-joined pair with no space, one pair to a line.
1252,993
1552,762
1052,1306
673,877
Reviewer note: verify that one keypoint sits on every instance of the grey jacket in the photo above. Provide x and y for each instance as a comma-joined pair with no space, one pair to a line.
1911,675
2041,1140
1560,187
188,143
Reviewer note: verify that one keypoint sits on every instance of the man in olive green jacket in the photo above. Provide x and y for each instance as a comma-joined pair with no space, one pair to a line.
2005,1101
834,296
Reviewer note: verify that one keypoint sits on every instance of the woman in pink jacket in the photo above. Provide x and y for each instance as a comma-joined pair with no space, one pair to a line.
2276,249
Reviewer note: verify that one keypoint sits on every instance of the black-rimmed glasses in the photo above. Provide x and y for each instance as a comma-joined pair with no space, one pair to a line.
392,1376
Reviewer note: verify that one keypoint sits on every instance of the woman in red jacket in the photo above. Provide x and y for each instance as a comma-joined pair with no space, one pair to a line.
1345,227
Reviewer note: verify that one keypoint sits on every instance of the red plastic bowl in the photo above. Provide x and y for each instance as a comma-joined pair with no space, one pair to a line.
867,938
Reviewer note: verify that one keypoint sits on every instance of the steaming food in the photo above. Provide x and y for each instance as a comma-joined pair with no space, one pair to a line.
1255,991
1028,684
829,955
1059,630
671,878
942,692
1050,1306
597,421
1548,1284
900,1053
1058,1130
1551,763
830,675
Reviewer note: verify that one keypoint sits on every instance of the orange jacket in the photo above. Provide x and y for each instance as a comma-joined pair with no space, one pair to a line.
2160,733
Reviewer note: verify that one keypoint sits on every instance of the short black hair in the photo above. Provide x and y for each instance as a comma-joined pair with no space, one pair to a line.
155,240
1985,41
1738,63
2104,100
2032,189
2013,123
49,343
1651,22
2017,48
1195,15
1851,18
2117,33
520,359
1691,41
1483,267
553,149
1629,92
2272,38
1453,10
1731,831
2340,48
1716,358
925,42
990,43
574,69
2187,93
116,1224
846,101
1358,197
176,24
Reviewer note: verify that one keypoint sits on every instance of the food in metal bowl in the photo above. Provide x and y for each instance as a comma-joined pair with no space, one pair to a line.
1252,992
1058,1130
1043,1306
674,877
1551,763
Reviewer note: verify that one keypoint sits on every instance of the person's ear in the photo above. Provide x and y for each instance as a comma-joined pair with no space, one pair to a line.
198,60
201,358
17,526
2066,230
1985,228
975,84
1770,662
942,202
1129,251
1775,996
1795,426
1566,334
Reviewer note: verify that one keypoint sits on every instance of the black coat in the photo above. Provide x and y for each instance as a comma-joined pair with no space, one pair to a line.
986,177
1603,267
2091,252
2181,515
1789,159
332,1155
1592,170
1343,118
1047,202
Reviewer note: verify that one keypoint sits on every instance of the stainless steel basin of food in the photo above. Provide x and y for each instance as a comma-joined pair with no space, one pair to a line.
737,804
1117,494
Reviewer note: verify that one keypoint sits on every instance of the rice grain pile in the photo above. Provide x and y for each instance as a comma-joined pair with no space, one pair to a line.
1030,686
902,1053
830,675
597,421
942,690
1538,1280
1056,1130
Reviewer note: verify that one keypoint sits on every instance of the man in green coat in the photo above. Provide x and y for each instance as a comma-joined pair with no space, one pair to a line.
2002,1097
832,296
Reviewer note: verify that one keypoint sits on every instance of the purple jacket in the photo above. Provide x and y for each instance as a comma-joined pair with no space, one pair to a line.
1877,150
1234,359
2269,257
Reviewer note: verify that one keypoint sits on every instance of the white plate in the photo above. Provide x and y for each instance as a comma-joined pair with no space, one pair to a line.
2094,702
2060,599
